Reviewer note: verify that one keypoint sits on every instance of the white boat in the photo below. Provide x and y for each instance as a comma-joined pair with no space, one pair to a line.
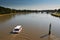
17,29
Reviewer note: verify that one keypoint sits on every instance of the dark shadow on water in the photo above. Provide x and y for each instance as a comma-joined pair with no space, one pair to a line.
13,32
44,35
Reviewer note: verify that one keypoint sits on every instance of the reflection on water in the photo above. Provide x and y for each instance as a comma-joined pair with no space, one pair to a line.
34,25
6,18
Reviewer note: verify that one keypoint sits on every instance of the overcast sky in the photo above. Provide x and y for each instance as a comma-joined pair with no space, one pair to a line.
31,4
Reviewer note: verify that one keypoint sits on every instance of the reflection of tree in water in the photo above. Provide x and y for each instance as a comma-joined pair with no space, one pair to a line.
6,17
9,16
24,13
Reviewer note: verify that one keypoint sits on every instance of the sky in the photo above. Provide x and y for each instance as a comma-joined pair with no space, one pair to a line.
31,4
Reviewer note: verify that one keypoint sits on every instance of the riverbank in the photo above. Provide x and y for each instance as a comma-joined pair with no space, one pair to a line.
6,14
56,14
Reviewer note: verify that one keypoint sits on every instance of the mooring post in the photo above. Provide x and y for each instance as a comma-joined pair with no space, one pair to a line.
49,29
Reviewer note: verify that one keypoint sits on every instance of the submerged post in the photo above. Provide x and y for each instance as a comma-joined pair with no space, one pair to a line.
49,29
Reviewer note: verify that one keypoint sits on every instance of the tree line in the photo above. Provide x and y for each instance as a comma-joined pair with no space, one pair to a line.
4,10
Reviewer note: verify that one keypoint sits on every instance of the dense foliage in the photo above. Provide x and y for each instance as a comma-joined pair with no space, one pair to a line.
58,11
4,10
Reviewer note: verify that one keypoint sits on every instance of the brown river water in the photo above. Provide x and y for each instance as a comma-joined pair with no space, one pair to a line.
34,26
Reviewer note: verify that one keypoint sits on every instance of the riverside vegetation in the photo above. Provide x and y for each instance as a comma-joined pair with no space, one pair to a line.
57,14
4,10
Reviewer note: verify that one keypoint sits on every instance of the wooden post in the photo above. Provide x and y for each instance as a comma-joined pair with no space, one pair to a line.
49,29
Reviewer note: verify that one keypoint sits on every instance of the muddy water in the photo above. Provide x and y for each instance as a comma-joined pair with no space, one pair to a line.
34,26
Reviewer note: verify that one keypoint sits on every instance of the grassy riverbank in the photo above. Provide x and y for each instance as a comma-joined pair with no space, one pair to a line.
56,14
6,14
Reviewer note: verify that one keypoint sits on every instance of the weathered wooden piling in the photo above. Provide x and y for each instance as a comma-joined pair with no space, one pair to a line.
49,29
